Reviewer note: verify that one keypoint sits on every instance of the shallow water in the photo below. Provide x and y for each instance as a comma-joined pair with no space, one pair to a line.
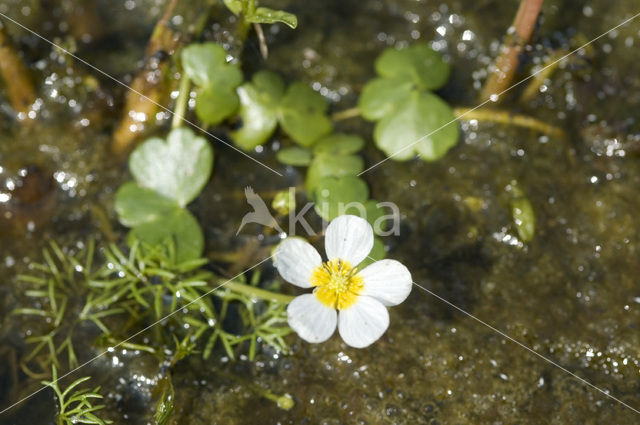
570,294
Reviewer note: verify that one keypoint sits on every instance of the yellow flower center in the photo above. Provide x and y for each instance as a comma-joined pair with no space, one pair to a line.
338,285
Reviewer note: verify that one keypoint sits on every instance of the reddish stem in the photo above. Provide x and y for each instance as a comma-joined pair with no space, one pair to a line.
518,36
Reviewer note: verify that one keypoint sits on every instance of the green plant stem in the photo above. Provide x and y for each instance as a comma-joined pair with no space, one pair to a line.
346,114
486,115
506,117
252,291
181,102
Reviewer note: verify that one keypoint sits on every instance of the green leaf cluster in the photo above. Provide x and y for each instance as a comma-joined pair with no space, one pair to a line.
250,12
168,175
264,103
332,180
54,317
127,292
409,118
75,406
215,79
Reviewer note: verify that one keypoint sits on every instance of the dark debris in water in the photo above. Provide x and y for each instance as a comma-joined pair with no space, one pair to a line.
571,293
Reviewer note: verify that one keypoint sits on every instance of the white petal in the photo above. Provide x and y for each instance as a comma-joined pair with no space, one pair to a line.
363,323
387,281
312,320
348,238
295,259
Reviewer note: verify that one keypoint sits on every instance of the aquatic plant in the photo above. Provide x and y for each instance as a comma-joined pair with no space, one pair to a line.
75,405
216,79
63,300
359,296
250,12
137,289
168,175
409,118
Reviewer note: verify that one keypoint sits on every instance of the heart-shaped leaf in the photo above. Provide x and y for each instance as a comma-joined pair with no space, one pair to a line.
338,144
418,63
206,65
180,226
265,15
424,124
303,114
332,166
259,102
136,205
296,156
177,168
333,195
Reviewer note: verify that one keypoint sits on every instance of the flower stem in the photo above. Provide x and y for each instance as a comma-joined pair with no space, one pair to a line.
181,102
252,291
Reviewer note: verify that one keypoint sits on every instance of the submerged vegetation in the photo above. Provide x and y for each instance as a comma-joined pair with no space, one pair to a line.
75,405
163,301
136,290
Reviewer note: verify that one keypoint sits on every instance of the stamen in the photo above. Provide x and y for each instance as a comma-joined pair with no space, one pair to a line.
338,285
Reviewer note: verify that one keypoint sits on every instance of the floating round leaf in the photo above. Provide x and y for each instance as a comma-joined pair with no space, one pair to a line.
136,205
418,63
206,65
382,96
177,169
295,156
332,166
334,195
424,124
259,102
303,114
339,144
180,226
214,105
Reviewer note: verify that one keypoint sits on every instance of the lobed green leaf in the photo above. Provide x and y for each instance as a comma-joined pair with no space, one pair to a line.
259,102
418,64
303,114
424,124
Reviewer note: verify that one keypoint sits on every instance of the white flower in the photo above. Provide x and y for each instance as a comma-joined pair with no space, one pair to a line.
359,297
